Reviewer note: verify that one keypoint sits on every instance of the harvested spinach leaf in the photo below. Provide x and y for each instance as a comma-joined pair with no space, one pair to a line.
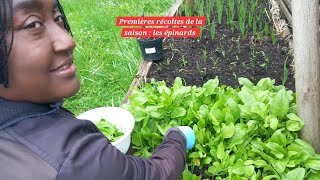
109,130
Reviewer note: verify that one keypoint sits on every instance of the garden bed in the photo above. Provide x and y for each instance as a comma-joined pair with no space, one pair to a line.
235,88
227,55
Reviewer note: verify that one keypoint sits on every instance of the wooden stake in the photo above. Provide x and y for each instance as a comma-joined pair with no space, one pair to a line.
305,19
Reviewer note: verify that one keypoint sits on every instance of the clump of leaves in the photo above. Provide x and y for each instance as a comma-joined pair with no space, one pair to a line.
109,130
249,132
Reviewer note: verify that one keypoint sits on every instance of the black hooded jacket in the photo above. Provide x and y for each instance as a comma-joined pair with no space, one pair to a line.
44,142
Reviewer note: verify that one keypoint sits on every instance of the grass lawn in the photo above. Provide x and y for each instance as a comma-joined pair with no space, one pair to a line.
106,62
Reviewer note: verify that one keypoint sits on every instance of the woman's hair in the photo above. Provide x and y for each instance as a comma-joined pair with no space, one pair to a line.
6,24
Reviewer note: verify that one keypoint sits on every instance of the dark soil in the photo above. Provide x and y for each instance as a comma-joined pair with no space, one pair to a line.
228,56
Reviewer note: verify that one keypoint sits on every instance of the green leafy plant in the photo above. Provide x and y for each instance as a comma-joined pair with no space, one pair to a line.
230,14
274,37
184,61
204,51
285,72
222,51
212,29
266,63
189,6
220,5
201,30
266,28
214,62
200,7
245,133
252,10
254,26
253,58
109,130
209,7
242,16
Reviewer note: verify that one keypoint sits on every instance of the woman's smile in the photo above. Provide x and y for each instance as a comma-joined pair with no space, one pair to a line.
66,70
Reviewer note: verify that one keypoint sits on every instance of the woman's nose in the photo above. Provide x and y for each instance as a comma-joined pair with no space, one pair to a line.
62,39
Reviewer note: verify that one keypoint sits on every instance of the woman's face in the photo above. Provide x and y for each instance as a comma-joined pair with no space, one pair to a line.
41,68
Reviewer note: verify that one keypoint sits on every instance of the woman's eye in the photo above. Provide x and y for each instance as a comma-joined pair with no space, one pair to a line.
59,19
34,24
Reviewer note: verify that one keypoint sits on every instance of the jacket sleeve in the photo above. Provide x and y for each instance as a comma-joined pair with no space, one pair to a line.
94,158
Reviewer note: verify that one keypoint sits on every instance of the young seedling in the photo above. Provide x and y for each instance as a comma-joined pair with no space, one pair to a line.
189,5
230,14
232,65
214,62
266,63
253,4
201,29
184,62
204,51
220,10
285,72
222,51
253,58
254,26
200,7
273,37
242,15
260,21
266,28
198,67
212,29
209,7
170,59
238,45
259,36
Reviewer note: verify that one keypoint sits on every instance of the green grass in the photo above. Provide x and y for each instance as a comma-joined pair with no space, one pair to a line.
106,62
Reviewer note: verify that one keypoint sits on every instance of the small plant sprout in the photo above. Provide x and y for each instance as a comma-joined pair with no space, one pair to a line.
266,28
242,15
273,37
158,67
189,5
253,58
209,7
170,59
259,36
204,50
220,10
260,21
254,26
253,4
230,14
238,45
285,72
214,62
198,67
212,29
184,62
232,65
200,7
201,29
222,51
266,63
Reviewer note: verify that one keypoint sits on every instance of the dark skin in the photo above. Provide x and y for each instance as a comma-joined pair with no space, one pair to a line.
41,68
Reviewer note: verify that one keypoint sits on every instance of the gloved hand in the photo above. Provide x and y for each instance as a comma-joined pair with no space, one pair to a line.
189,134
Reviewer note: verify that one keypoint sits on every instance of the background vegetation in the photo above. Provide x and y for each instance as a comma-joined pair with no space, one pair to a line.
106,62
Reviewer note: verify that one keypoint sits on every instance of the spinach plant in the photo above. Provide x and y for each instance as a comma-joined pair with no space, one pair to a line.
109,130
250,132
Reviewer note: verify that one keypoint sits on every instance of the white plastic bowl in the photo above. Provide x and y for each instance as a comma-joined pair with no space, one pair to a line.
120,117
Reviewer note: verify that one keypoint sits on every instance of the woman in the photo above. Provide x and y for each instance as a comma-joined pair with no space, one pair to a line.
39,139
